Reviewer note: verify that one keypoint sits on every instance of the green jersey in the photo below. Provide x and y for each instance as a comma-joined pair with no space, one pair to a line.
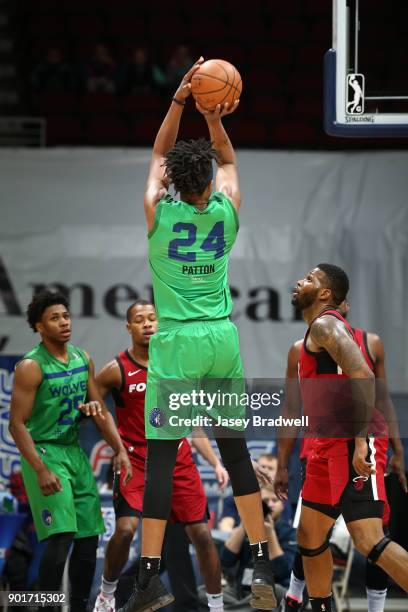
188,255
55,415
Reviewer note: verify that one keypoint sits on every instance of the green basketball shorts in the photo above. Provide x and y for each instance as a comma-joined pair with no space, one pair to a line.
195,370
77,507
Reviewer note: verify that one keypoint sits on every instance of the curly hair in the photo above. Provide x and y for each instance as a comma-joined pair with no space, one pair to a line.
40,302
189,165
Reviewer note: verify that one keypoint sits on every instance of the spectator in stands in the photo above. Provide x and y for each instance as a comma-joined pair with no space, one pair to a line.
179,64
281,540
100,70
139,75
230,517
54,74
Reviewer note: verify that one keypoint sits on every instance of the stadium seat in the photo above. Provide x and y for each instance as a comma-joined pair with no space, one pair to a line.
273,56
269,105
175,28
57,104
293,134
243,28
135,104
258,82
193,127
89,7
308,108
64,131
287,31
99,102
107,130
38,48
225,50
250,133
199,29
143,131
46,26
134,29
87,28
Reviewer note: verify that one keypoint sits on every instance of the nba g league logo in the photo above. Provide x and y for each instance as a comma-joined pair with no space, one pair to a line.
355,94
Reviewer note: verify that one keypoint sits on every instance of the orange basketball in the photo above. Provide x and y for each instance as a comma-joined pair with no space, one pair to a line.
216,82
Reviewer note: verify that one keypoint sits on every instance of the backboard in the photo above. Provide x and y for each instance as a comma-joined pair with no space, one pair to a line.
366,71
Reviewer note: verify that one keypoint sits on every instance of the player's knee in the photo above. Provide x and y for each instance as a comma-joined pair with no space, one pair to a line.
203,541
125,533
304,537
365,539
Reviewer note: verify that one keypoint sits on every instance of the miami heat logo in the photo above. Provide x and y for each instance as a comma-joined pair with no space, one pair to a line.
157,418
359,481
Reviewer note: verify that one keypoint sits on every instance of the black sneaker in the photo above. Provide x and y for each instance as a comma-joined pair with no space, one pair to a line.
153,597
263,587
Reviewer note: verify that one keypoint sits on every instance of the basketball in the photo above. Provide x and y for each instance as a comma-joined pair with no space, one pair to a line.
216,82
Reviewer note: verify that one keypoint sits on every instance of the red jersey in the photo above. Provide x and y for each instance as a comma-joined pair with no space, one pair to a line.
129,406
327,403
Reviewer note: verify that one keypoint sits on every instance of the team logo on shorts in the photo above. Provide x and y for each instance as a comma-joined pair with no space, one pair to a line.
46,517
359,481
157,418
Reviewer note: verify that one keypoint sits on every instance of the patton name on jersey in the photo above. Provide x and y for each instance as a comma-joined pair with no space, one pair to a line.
198,270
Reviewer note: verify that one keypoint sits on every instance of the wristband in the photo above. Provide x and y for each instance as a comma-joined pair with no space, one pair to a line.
178,101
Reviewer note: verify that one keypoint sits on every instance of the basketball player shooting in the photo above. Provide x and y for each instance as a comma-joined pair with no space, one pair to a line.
195,339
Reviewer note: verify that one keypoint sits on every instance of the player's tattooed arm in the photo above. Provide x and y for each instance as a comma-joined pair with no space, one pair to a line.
329,333
27,379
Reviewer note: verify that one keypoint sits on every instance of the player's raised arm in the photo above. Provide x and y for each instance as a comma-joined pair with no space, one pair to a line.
226,179
27,379
157,183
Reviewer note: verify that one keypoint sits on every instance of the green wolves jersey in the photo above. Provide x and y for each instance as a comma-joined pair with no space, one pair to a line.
55,415
188,255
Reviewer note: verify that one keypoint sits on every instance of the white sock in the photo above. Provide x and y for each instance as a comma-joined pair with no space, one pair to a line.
296,587
376,600
109,588
215,602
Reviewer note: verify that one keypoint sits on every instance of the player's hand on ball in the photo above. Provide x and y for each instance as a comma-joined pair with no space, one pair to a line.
121,461
360,465
281,483
219,111
48,482
93,409
184,89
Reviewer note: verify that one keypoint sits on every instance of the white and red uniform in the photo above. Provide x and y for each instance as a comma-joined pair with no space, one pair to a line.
189,503
327,400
